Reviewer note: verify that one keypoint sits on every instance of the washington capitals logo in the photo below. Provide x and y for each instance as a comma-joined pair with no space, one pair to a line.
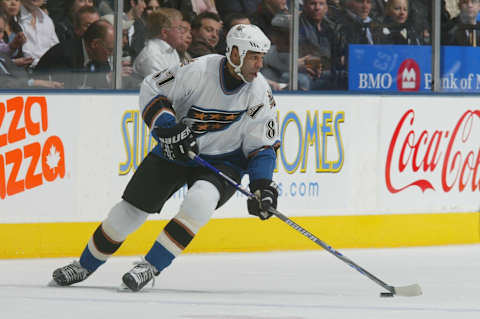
205,120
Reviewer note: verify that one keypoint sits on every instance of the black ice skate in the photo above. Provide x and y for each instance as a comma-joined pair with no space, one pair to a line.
70,274
140,275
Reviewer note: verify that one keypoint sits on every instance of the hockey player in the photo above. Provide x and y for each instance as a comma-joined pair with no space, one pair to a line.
219,107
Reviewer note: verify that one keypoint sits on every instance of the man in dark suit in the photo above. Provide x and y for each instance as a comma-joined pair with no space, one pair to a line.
81,62
14,77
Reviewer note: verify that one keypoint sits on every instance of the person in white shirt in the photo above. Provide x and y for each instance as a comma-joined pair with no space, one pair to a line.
165,35
38,28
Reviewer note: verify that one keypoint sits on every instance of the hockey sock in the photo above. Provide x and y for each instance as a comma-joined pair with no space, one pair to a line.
122,220
174,238
98,250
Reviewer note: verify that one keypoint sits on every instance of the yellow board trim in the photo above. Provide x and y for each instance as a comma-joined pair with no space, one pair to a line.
46,240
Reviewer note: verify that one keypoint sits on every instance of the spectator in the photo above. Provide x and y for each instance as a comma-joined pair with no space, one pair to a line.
13,34
164,33
276,64
318,42
466,29
185,57
126,24
81,62
105,7
396,27
184,6
235,18
129,79
199,6
247,7
231,19
136,34
14,77
378,9
84,17
265,13
420,16
4,46
355,27
152,5
206,28
335,10
64,27
38,28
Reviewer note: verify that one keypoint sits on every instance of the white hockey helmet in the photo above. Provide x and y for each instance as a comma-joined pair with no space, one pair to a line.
246,37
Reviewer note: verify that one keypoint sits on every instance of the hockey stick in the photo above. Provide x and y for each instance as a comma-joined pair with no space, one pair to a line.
406,291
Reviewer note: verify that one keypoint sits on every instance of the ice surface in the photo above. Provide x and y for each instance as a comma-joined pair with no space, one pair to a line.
277,285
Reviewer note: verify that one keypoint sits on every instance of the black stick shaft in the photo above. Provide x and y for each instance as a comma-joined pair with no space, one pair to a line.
295,226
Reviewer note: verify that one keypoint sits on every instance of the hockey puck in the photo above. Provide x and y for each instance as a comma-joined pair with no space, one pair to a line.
386,294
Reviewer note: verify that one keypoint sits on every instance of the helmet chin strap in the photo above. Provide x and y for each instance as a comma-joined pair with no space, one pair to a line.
237,68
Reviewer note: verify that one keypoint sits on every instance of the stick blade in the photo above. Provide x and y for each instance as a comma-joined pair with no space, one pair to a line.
408,291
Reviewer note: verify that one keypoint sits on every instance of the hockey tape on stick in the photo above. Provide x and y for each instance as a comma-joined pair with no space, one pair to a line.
406,291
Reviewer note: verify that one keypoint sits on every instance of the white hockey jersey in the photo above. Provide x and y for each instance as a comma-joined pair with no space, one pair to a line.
225,121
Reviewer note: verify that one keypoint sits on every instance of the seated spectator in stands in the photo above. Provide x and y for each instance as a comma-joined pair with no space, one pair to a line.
317,38
199,6
276,63
105,7
64,27
247,7
355,27
466,29
187,40
165,35
14,77
231,19
206,28
378,9
335,10
396,27
38,28
421,18
267,9
136,34
81,62
152,5
13,34
130,80
84,17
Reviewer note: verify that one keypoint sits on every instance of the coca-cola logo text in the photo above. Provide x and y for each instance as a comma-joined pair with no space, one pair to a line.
453,156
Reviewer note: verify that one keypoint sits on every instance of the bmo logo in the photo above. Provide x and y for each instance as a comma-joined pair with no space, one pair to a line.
408,76
29,158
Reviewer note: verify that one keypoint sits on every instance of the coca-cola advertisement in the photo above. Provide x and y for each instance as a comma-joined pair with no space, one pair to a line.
432,156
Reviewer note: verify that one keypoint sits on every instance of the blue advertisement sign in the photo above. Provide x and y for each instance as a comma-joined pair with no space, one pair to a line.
406,68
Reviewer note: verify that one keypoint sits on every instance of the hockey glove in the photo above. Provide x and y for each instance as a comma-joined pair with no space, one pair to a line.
177,141
266,192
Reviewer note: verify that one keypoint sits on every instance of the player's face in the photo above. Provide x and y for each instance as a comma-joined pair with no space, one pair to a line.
252,63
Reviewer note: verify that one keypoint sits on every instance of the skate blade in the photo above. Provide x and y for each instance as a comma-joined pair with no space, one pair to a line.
124,288
53,283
